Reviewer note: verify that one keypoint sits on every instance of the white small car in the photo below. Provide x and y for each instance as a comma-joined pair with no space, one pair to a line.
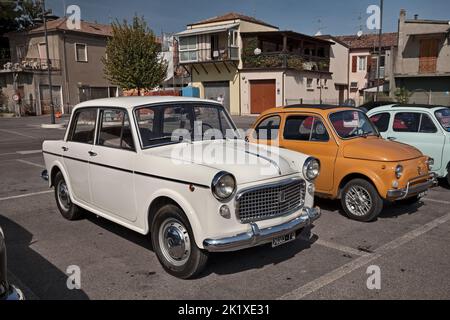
140,162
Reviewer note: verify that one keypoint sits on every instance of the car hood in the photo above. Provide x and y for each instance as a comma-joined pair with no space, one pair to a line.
247,162
377,149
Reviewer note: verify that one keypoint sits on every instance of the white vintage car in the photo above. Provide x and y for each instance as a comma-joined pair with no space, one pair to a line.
141,162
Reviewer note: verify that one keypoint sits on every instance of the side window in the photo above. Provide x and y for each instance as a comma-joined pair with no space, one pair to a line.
407,122
115,130
268,129
305,128
381,121
83,128
427,125
175,118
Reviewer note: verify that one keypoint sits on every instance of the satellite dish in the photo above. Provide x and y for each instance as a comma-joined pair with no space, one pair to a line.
257,51
360,34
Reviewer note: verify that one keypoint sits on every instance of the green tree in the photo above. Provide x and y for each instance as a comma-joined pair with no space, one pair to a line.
16,15
402,95
132,57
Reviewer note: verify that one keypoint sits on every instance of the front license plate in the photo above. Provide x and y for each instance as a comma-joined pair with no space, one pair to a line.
283,240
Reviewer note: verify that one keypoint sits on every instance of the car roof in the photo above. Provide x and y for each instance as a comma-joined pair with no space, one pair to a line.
316,106
415,107
132,102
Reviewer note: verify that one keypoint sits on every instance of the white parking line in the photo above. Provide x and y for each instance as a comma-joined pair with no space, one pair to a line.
24,153
26,195
340,272
18,133
31,164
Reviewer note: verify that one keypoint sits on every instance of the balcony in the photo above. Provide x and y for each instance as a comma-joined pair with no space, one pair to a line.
209,55
282,60
285,50
32,64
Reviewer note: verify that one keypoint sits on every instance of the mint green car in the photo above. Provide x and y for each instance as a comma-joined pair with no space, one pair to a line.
425,127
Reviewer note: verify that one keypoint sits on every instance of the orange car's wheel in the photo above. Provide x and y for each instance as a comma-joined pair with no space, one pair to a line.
361,201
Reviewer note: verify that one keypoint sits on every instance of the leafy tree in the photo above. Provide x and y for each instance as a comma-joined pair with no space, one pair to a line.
402,95
16,15
132,56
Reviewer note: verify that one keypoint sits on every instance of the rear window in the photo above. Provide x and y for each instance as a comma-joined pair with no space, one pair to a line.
443,117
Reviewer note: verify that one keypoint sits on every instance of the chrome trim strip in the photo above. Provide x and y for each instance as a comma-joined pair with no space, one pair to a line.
402,194
274,163
257,237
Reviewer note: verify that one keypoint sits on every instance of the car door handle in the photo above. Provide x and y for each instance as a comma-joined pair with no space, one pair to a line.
65,149
92,154
392,138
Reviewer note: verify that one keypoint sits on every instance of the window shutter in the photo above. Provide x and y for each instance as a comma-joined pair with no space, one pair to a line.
355,64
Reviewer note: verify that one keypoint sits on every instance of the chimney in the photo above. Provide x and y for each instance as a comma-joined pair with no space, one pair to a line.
402,15
416,17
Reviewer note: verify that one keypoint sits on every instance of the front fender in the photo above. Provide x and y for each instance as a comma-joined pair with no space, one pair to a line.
185,206
374,178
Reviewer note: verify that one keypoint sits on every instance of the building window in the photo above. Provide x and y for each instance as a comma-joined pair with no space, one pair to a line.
362,63
42,51
188,49
309,84
234,38
20,50
81,52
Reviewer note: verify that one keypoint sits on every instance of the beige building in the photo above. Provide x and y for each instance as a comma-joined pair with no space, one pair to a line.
423,59
252,66
363,60
77,70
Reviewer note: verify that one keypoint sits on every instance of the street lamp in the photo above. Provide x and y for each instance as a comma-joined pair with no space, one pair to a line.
380,45
49,62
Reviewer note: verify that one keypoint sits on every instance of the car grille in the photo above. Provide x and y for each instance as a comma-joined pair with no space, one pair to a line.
271,201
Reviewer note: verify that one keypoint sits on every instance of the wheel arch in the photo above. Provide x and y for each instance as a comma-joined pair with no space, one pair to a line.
357,175
170,197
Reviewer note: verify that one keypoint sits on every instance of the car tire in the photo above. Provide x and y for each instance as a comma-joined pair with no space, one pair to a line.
448,178
367,205
66,207
174,243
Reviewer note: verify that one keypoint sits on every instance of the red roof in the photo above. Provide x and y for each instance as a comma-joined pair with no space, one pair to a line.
369,41
232,16
86,27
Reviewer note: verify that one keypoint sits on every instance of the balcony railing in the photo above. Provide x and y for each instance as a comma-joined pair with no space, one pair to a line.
32,64
373,75
283,60
209,55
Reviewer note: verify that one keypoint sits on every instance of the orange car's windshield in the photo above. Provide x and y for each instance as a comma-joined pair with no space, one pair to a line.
352,124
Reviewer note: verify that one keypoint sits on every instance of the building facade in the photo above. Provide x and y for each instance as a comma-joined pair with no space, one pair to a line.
251,65
423,60
76,66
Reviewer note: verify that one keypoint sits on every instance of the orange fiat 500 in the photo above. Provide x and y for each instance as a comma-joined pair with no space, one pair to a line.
357,165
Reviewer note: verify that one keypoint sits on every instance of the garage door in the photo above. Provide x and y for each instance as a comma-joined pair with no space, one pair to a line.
213,90
263,95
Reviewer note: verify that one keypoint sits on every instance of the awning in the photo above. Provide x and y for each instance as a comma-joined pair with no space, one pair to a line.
207,30
383,88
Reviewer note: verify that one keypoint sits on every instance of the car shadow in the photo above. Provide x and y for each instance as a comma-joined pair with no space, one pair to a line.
444,184
42,279
223,263
390,211
257,258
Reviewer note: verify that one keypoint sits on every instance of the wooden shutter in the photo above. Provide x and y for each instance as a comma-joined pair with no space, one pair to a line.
355,64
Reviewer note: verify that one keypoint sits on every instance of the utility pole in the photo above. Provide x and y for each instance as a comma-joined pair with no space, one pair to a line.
49,62
380,46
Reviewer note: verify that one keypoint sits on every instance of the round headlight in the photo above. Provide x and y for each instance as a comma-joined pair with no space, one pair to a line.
223,186
430,163
311,169
399,171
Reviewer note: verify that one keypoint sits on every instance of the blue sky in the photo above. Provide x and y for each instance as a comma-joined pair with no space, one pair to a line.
336,17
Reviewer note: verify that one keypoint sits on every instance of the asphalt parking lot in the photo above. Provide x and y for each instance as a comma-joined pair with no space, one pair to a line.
410,245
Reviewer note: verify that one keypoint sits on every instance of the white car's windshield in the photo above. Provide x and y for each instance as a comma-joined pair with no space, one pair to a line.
351,124
443,117
159,125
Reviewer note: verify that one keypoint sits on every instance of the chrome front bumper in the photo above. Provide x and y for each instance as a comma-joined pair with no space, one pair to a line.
258,236
411,191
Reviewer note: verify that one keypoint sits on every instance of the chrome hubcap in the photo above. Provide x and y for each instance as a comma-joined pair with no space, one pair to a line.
174,242
63,195
358,201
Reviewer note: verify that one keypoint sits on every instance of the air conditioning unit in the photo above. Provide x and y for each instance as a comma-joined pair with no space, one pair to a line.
215,54
354,85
